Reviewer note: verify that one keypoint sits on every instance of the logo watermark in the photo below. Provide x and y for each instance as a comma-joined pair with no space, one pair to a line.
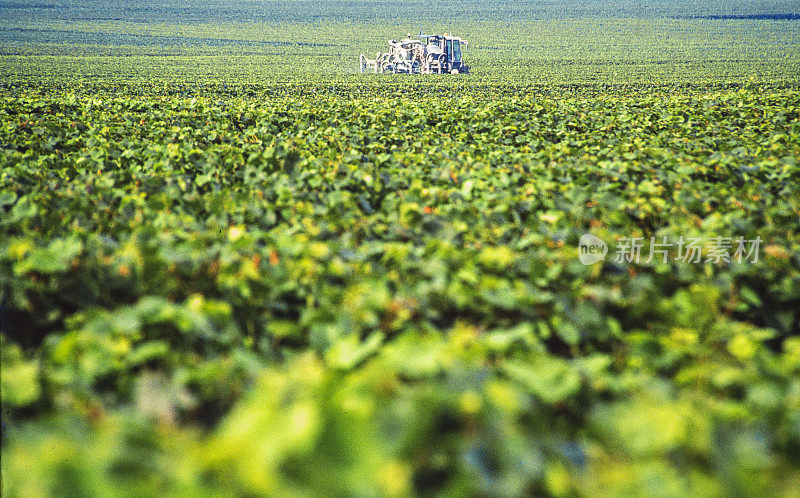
717,250
591,249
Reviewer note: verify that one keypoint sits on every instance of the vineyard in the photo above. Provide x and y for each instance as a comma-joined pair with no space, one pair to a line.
224,272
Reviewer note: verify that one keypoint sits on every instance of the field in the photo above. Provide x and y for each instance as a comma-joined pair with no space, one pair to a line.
231,265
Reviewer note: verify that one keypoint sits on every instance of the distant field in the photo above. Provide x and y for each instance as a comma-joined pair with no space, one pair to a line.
313,11
533,42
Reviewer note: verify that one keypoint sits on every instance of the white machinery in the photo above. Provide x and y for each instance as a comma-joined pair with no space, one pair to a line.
425,54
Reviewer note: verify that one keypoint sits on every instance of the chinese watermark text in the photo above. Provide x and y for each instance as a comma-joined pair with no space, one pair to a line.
717,250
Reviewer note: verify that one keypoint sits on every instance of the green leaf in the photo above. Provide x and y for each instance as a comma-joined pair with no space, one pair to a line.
550,379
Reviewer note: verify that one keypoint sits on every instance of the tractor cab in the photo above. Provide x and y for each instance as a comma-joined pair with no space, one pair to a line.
450,46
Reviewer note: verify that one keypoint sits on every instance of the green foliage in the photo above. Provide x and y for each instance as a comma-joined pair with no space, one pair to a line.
355,290
327,284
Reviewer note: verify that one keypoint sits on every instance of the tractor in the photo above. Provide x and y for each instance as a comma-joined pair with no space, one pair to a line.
423,54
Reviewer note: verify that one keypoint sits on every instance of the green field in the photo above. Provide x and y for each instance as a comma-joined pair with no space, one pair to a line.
231,265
